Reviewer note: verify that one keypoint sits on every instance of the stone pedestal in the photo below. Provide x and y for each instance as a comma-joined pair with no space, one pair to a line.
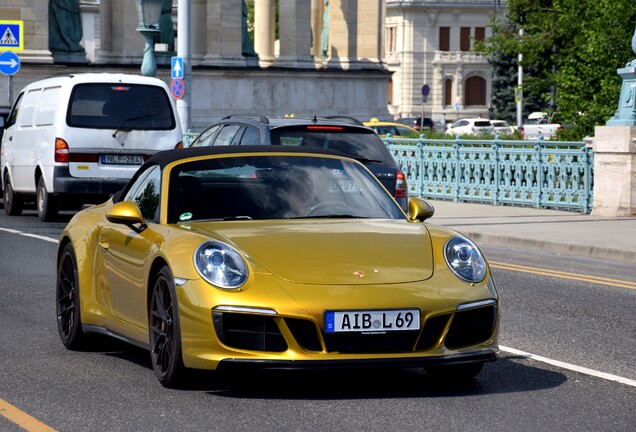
614,171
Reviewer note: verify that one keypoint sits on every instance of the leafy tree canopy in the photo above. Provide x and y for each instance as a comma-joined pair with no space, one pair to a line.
570,50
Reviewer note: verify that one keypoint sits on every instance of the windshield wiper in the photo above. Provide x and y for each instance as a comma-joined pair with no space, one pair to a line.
331,216
230,218
145,116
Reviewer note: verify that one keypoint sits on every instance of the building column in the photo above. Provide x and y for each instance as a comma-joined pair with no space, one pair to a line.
199,31
36,30
120,42
343,33
264,31
614,171
371,23
295,34
224,33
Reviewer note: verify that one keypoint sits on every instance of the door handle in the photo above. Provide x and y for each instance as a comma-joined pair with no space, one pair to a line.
104,245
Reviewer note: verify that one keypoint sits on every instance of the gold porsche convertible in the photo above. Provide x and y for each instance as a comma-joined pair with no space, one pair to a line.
236,257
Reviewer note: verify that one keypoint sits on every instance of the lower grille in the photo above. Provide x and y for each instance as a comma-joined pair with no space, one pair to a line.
371,343
249,332
471,327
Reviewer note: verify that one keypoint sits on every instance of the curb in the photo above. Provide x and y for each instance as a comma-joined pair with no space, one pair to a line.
570,249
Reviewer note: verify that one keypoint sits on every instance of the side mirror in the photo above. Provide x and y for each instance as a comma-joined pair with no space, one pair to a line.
127,213
420,209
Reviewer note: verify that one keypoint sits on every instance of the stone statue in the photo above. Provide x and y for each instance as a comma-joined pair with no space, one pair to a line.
633,62
65,27
324,39
247,46
166,27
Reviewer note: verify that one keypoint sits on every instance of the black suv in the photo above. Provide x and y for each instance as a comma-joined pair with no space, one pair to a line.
343,134
417,123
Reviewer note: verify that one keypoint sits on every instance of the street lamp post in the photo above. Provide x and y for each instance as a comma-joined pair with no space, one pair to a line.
148,12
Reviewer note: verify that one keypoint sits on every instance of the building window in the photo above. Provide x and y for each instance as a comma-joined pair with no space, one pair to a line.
390,92
475,91
464,39
391,40
448,91
444,38
480,33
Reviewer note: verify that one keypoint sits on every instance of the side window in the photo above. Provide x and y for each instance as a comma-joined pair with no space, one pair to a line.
28,107
206,138
250,136
146,193
227,133
14,112
46,107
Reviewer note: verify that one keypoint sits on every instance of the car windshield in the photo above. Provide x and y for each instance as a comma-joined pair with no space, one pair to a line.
359,143
120,106
276,187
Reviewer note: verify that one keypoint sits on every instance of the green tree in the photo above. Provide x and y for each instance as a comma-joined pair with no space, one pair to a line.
571,50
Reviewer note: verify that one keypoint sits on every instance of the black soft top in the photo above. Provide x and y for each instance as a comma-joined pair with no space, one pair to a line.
166,157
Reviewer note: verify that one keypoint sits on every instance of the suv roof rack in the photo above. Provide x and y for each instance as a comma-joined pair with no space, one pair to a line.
258,117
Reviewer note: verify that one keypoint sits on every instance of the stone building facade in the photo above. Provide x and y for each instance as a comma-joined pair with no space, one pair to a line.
335,71
430,42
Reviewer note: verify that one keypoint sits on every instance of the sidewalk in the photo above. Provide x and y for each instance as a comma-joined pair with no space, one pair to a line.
563,232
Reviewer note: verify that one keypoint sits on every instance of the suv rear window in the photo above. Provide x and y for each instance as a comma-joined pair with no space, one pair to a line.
125,106
357,142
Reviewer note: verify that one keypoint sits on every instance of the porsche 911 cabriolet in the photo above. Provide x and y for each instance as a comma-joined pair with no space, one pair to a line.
288,258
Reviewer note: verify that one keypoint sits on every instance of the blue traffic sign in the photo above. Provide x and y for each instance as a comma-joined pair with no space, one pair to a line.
177,88
177,67
11,35
9,63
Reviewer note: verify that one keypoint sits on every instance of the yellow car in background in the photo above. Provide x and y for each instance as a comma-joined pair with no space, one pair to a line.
273,257
383,128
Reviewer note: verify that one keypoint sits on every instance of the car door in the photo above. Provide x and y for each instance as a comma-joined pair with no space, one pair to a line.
126,251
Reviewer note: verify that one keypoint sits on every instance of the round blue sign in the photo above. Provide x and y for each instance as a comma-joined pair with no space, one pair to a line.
9,63
177,88
426,90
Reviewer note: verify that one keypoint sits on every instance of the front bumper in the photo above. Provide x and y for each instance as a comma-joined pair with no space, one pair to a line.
308,365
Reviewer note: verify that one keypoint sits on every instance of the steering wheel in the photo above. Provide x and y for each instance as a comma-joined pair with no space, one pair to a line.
328,208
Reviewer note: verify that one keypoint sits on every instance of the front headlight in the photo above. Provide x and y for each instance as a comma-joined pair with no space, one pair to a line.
464,259
220,264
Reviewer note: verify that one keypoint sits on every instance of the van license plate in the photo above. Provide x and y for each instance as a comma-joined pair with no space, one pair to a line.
122,159
372,320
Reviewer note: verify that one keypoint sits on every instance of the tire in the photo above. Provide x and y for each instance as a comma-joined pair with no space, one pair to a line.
67,300
454,373
13,202
165,332
45,202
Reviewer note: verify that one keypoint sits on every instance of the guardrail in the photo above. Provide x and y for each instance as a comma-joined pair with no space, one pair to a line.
542,174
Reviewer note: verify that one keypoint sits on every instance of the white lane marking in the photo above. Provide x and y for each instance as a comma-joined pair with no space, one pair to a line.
35,236
571,367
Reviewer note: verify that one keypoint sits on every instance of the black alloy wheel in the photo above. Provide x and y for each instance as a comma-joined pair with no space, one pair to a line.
13,202
69,322
165,332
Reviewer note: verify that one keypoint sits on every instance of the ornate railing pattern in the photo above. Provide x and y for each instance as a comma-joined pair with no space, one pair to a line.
542,174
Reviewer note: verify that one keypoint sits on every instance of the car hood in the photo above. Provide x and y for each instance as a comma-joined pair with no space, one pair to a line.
351,252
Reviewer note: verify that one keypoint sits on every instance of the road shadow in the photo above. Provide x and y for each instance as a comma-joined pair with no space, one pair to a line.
509,374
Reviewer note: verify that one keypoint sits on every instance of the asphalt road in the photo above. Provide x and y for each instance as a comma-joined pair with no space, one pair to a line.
583,322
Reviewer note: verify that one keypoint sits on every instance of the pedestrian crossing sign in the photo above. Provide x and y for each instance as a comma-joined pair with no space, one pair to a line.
11,35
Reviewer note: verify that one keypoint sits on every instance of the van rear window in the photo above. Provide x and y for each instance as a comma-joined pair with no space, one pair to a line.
120,106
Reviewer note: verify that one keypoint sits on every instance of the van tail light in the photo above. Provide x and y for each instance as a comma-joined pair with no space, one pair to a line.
61,151
179,145
523,135
401,188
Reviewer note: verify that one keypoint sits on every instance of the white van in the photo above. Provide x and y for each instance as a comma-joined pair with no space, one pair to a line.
77,139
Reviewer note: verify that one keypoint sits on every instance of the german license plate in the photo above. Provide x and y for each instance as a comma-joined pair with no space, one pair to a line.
372,320
345,186
122,159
